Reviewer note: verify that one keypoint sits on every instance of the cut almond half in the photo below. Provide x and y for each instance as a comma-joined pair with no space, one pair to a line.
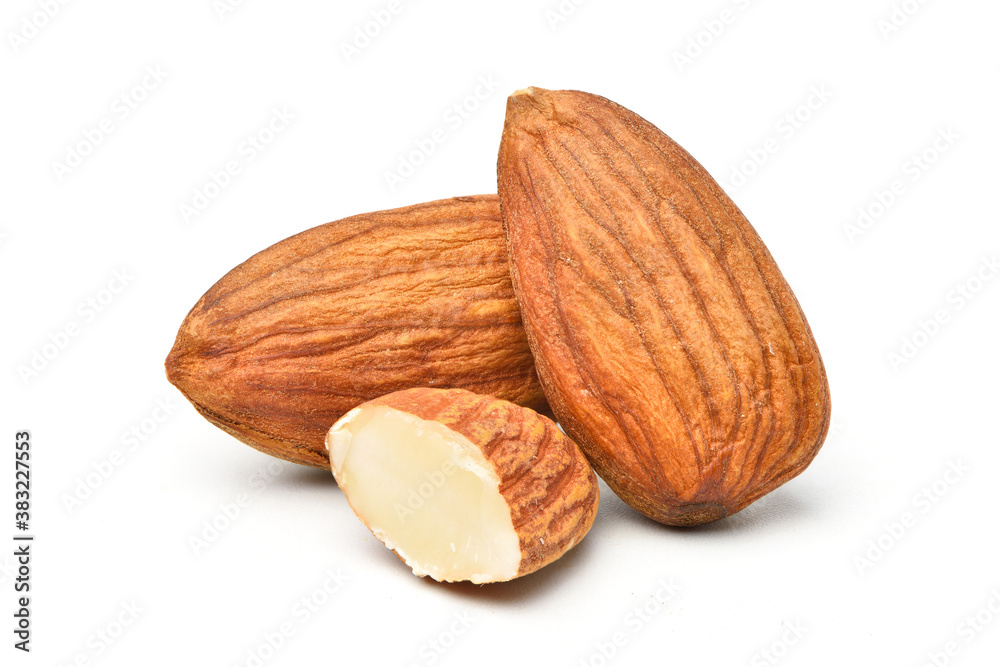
463,487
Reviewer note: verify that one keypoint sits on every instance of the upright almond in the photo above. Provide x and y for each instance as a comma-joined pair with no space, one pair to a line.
667,341
287,342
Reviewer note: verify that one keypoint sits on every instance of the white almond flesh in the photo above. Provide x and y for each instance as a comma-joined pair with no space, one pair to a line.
426,492
463,487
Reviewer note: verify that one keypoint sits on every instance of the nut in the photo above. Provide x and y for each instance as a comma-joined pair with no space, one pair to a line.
290,340
667,341
463,487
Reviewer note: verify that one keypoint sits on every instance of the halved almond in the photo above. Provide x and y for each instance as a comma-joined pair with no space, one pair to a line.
463,487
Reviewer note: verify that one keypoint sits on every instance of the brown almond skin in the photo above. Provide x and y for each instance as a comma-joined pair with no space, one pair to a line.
287,342
546,480
668,343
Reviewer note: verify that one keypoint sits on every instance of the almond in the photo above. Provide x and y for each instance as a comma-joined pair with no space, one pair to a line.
463,487
667,341
290,340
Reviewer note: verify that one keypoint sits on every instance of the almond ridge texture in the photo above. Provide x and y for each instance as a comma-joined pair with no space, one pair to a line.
668,343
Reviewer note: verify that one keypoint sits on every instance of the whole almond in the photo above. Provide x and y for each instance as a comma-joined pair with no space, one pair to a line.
668,343
290,340
463,487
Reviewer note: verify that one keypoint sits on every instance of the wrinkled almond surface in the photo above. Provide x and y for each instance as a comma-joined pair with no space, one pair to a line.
668,343
287,342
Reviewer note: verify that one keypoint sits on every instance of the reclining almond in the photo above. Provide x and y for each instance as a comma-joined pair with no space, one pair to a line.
667,341
287,342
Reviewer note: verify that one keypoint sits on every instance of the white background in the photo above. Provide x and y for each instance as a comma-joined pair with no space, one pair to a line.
821,572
